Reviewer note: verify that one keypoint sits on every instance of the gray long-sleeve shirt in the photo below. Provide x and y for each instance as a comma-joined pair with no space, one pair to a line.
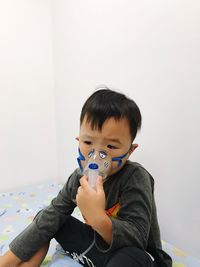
129,203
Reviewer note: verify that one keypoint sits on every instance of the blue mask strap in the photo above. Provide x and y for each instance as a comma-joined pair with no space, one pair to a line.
119,159
81,157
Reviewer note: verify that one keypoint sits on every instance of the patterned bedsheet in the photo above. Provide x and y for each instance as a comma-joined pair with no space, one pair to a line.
17,210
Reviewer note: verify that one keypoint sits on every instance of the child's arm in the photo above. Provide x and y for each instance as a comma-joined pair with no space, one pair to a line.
46,223
103,226
131,224
92,206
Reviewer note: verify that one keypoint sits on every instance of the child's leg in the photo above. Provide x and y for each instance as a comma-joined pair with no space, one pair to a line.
130,256
77,240
37,259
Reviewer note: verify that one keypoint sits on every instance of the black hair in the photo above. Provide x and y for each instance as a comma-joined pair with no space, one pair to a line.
105,103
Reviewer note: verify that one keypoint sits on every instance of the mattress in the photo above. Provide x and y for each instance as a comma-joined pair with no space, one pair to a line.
17,210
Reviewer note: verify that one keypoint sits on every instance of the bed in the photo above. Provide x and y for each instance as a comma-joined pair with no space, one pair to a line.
17,210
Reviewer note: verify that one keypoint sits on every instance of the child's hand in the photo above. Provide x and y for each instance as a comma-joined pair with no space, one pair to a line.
91,202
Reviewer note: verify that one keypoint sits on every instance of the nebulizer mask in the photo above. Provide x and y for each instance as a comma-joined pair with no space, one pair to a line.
97,163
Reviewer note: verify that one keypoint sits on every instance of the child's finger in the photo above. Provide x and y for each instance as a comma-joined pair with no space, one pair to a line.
84,181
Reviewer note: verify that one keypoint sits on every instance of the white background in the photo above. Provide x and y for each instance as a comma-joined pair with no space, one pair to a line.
52,56
27,102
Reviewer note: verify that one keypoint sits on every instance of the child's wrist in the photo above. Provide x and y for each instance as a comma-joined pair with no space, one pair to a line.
99,220
103,226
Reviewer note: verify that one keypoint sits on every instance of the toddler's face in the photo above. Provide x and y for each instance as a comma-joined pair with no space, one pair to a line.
114,138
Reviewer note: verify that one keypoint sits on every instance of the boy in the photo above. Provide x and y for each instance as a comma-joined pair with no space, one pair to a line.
120,212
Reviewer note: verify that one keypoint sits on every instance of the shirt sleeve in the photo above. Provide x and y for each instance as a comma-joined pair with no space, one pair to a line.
132,224
45,224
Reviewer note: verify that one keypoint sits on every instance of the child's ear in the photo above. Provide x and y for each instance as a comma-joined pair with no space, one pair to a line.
133,147
77,138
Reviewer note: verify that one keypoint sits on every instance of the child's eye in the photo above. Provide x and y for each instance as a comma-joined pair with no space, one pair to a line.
87,142
111,147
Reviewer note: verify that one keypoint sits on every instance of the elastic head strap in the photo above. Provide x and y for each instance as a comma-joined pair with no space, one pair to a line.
119,159
81,157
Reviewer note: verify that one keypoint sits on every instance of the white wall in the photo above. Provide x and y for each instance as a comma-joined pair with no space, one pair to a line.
27,110
149,50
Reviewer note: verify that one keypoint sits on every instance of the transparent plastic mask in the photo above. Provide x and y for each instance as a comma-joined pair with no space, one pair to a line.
97,164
